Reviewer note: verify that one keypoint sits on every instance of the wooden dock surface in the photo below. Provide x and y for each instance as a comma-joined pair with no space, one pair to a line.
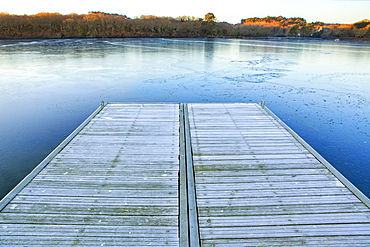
184,175
257,185
115,183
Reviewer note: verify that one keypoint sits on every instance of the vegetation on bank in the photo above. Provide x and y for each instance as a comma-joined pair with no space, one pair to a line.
102,25
298,27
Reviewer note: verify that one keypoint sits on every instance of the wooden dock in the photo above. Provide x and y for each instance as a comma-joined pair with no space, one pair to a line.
184,175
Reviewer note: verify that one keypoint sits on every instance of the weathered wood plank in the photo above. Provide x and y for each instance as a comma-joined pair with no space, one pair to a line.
277,201
261,210
257,179
103,184
116,171
204,152
265,172
248,148
253,157
106,220
113,178
88,241
94,209
266,163
62,192
85,201
266,185
280,220
117,168
278,192
285,231
292,241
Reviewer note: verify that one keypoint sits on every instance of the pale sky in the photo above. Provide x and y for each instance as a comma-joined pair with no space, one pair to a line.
232,11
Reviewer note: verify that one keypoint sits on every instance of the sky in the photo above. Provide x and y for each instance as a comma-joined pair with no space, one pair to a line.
232,11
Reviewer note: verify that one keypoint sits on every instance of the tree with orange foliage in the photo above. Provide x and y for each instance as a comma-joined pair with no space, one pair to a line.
48,14
362,24
210,17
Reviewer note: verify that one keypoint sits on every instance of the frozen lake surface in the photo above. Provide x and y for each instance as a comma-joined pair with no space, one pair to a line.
321,89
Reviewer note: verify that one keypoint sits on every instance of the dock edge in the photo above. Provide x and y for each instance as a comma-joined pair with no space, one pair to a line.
361,196
10,196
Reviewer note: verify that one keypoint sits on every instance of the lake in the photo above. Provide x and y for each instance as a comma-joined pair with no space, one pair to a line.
321,89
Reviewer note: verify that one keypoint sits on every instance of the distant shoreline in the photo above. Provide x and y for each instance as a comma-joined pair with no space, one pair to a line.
103,25
172,37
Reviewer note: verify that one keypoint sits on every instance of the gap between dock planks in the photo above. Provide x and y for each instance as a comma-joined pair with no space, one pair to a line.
184,175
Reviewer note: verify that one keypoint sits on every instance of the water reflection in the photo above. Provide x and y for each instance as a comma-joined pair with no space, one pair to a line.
320,88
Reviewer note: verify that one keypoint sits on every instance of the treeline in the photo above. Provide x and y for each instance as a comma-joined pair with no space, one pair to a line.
298,27
99,24
103,25
278,21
